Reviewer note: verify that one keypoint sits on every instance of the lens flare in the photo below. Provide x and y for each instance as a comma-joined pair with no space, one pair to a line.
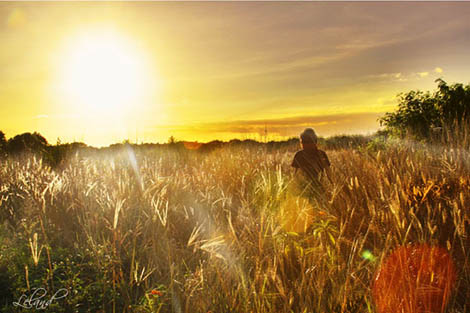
414,279
295,213
367,255
135,167
192,145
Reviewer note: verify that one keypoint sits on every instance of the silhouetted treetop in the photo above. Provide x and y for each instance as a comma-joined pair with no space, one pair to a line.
3,140
27,142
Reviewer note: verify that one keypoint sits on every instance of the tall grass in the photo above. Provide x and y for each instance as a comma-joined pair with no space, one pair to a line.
233,230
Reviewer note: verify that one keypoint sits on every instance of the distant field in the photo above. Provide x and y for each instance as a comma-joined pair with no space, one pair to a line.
230,230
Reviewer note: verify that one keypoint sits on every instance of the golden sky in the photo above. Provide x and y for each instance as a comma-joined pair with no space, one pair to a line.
104,72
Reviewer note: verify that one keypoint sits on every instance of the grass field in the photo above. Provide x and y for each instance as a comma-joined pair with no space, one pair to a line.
232,230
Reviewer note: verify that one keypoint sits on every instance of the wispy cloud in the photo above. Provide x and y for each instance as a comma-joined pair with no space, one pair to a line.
283,127
388,76
403,77
41,116
300,59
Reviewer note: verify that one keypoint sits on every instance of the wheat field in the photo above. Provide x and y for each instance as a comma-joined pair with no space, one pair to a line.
232,230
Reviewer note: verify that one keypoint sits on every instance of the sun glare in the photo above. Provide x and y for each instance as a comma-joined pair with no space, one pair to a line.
103,75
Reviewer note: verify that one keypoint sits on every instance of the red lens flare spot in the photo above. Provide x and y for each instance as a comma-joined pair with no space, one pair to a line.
156,292
192,145
414,279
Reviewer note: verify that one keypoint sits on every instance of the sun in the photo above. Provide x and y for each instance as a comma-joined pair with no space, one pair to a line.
103,74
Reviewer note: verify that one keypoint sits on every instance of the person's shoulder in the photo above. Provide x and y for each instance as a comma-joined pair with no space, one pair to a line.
324,157
297,155
297,160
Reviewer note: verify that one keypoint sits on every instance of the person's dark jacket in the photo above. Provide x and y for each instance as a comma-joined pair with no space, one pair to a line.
311,162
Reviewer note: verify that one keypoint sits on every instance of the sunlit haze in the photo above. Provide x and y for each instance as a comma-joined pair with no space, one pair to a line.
102,73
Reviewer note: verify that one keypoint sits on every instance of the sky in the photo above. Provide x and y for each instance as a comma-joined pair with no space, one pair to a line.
101,73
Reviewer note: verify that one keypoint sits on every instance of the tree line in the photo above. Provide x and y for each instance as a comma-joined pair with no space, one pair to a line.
35,143
419,113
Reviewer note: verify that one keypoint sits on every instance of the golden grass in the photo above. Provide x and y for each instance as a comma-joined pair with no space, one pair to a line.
234,230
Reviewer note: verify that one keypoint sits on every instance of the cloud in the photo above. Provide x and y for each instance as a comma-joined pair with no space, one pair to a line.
387,101
389,76
41,116
402,77
282,127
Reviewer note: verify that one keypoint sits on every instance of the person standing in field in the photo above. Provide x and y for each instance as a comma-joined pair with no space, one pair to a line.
310,160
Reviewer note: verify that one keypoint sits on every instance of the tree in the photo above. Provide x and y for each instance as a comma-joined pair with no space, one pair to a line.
453,102
27,142
419,112
3,143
